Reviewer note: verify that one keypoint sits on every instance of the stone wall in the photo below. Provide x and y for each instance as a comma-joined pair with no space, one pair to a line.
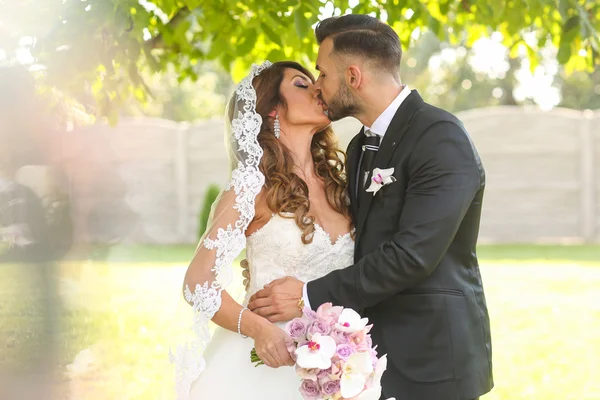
145,179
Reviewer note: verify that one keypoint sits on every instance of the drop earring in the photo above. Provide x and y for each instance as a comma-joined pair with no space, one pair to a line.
277,127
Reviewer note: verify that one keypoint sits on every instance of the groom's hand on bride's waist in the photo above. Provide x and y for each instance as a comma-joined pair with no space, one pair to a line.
245,273
278,301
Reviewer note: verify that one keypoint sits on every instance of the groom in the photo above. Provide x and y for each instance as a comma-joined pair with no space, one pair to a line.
416,275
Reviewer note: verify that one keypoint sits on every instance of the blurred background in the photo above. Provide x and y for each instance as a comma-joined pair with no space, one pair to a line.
111,153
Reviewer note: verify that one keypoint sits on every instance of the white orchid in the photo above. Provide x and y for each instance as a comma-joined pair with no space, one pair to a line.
380,178
350,321
370,394
373,390
379,370
355,373
373,385
317,353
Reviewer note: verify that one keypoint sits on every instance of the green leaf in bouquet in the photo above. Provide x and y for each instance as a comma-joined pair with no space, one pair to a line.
255,359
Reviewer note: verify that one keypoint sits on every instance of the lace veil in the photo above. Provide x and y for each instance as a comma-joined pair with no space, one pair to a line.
225,237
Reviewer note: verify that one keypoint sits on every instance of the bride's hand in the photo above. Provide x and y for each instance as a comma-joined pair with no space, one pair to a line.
271,346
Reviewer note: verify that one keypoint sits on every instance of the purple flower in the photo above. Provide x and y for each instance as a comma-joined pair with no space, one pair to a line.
329,387
291,348
296,329
309,389
344,351
309,314
340,337
324,372
319,326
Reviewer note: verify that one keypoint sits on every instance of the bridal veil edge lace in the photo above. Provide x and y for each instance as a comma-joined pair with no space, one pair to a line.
225,236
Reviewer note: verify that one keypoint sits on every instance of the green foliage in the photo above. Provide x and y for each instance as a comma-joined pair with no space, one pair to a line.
581,90
452,85
183,101
456,78
209,198
102,47
544,331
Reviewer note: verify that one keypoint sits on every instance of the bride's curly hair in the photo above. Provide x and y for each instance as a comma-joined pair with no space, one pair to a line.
286,192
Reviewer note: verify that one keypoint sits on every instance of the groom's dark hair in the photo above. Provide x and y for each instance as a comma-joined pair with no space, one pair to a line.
364,36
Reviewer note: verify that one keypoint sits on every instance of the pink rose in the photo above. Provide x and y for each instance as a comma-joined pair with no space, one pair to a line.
340,337
324,373
309,389
329,386
319,326
296,329
344,351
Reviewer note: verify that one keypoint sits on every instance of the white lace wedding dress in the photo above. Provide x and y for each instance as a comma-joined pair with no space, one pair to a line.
274,251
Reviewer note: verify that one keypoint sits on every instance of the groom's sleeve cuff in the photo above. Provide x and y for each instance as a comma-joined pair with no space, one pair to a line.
305,296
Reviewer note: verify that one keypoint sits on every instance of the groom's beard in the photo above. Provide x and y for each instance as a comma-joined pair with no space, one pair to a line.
343,104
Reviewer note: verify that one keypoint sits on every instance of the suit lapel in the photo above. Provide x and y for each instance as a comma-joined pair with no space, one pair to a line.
398,127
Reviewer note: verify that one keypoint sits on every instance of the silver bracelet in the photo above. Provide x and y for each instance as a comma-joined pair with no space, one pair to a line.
240,322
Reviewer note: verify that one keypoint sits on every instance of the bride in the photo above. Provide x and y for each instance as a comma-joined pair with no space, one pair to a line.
286,204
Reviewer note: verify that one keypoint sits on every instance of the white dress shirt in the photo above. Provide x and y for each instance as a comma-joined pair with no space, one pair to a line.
380,126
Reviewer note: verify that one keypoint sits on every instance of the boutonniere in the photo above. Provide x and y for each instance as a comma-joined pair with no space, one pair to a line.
380,178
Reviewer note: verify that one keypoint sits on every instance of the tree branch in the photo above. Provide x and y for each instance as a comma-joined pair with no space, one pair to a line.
181,14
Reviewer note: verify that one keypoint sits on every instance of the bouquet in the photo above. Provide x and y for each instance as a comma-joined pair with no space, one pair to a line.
334,355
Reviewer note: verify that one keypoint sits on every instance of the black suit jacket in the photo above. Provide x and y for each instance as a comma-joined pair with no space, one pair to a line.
416,275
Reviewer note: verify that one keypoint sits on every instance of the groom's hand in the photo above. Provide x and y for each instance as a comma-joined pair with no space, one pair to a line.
245,273
278,301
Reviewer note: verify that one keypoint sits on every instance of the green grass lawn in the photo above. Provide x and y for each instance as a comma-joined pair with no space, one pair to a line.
123,307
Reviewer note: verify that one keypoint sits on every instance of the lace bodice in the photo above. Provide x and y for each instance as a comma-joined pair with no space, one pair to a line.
276,250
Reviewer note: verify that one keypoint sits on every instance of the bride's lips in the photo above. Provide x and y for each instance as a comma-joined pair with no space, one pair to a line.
321,103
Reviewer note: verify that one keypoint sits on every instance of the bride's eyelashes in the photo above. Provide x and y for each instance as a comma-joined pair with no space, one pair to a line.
300,82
